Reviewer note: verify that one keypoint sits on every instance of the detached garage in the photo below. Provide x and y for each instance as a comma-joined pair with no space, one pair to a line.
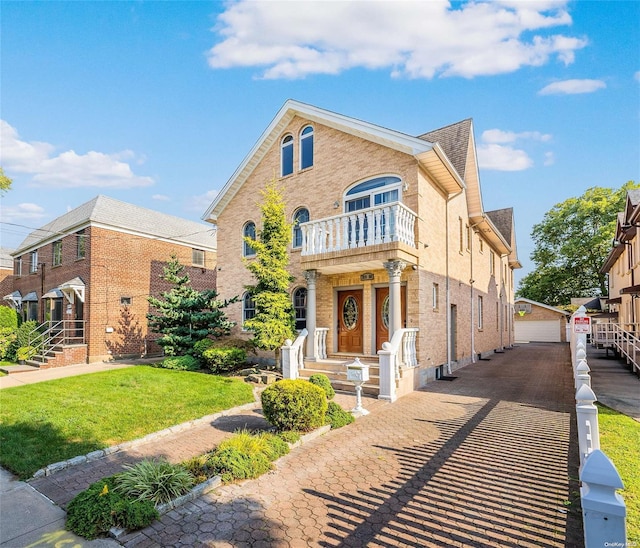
534,321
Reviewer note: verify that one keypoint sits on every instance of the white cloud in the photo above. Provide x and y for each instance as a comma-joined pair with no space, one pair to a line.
496,150
637,76
549,158
67,169
201,202
503,158
161,198
22,212
572,87
411,39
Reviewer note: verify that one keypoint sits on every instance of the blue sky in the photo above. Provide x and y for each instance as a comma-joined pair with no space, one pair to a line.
157,103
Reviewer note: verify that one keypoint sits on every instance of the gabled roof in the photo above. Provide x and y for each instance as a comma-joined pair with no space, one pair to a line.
6,261
431,156
504,223
454,140
113,214
542,305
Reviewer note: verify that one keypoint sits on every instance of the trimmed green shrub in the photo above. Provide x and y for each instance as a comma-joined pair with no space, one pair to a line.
25,353
8,317
338,417
294,405
201,346
323,382
232,464
221,360
100,507
157,481
180,363
7,340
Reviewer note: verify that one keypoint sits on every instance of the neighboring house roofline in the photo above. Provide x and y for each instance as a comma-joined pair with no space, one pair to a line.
108,213
431,156
541,305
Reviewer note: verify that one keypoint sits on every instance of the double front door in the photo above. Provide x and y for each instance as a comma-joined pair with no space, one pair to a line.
350,318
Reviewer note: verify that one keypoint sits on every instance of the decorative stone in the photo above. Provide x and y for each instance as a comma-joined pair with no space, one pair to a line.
268,378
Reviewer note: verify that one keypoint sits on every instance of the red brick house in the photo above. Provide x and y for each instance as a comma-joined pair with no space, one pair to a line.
89,272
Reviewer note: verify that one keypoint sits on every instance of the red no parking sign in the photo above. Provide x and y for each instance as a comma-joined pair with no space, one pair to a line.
582,324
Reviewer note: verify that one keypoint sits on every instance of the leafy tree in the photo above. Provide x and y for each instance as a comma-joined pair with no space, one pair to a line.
274,321
571,244
5,182
185,315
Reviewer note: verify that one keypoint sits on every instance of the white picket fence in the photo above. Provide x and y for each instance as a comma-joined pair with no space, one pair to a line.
603,509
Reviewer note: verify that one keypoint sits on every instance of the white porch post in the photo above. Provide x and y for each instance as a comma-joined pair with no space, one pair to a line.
311,276
394,268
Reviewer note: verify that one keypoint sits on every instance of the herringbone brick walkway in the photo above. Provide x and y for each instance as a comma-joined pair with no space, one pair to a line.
487,460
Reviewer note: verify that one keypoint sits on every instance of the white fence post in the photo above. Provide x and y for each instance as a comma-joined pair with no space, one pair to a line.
289,358
587,419
582,374
387,368
603,510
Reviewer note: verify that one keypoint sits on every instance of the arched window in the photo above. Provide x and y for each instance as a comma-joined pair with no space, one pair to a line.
306,147
300,307
248,308
373,192
249,231
370,193
299,217
286,152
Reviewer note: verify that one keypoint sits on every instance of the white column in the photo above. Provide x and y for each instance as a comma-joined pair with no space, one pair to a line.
394,268
311,276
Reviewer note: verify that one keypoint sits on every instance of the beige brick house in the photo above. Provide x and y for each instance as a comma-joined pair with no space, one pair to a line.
89,272
390,237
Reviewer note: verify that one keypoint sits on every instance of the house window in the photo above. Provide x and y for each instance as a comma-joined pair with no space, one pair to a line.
480,312
197,257
492,263
300,307
481,244
248,308
18,266
249,231
33,265
460,235
467,232
299,217
434,296
286,152
378,191
81,243
57,253
125,301
31,311
306,148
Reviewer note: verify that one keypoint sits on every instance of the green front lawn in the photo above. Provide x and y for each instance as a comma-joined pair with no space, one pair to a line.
56,420
620,441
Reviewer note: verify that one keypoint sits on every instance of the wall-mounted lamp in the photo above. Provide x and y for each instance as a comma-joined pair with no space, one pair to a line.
405,187
616,243
336,205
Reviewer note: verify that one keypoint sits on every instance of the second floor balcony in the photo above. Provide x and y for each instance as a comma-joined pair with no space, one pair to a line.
365,237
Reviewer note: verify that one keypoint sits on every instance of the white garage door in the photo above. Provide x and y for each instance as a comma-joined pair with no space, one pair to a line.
538,330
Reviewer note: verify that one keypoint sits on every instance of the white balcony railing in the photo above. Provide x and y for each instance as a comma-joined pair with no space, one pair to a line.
366,227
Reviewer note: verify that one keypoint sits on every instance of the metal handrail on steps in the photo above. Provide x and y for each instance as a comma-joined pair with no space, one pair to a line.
48,335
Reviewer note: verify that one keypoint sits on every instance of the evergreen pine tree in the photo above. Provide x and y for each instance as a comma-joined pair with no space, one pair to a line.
274,320
184,315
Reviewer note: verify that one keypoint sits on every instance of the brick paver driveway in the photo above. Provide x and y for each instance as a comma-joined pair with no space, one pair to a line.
487,459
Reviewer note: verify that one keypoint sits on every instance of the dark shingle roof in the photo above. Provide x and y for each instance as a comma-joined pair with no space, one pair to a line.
502,219
454,140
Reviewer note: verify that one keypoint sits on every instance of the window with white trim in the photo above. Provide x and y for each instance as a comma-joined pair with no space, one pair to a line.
306,147
81,244
286,156
197,257
33,265
435,296
249,231
300,216
480,312
18,266
57,253
248,308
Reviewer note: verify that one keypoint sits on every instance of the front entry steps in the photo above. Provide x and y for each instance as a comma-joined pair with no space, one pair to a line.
336,369
20,368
